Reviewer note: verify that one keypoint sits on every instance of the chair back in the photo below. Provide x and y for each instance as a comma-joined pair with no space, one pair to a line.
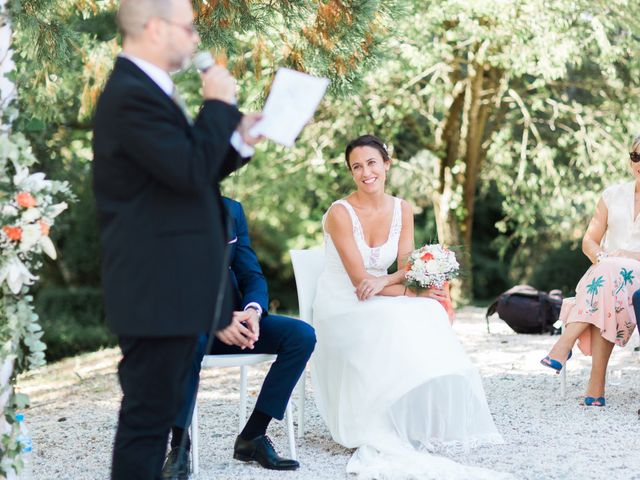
307,267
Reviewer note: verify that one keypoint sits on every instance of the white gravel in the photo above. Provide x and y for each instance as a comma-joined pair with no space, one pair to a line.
75,404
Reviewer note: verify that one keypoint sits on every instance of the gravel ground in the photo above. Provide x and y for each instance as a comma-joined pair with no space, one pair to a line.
75,404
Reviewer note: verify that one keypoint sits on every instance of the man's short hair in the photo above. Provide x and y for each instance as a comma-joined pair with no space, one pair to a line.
133,15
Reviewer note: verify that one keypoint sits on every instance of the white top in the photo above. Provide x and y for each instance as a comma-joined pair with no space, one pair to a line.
623,231
161,78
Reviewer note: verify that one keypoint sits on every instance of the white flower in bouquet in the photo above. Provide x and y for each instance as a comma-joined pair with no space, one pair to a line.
433,267
9,211
31,215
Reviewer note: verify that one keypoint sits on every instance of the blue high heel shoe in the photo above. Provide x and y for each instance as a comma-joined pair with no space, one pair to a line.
554,364
594,402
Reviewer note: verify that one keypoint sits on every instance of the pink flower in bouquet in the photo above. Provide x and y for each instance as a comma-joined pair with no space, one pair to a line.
14,233
26,200
44,227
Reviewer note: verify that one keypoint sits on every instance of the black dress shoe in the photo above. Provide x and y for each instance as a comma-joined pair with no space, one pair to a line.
261,450
177,465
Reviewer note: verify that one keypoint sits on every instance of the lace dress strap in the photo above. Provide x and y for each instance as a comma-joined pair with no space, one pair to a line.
396,222
355,221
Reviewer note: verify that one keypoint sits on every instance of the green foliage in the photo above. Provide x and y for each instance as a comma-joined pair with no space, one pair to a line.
73,321
506,119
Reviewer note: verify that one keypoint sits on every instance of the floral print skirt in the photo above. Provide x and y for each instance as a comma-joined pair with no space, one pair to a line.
603,298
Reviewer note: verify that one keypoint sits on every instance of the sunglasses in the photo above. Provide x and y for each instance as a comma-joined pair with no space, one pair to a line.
634,157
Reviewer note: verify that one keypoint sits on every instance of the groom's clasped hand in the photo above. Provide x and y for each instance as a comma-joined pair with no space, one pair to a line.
243,331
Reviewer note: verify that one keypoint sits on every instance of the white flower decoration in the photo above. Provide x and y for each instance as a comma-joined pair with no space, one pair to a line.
31,215
30,236
16,274
57,209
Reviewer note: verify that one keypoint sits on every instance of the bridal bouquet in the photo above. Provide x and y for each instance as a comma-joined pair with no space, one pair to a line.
432,266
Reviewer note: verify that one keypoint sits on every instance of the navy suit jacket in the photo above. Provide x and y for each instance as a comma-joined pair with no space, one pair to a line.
245,272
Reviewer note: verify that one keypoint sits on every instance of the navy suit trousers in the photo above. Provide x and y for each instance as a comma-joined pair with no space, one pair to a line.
291,340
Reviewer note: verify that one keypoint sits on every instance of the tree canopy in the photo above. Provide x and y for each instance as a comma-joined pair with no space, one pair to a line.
506,117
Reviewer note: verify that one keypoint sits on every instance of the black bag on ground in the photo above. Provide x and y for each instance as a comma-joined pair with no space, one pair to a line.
527,310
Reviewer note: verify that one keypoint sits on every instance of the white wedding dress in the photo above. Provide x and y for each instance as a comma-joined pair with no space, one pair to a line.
390,376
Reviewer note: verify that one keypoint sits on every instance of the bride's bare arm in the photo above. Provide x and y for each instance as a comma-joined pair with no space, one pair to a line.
338,225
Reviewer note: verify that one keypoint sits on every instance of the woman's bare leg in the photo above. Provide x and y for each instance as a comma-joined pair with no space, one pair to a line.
570,334
601,352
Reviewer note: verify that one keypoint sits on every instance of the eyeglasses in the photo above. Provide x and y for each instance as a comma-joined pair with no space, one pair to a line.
634,157
188,29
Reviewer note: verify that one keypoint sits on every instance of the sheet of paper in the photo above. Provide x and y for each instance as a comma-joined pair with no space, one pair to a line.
292,101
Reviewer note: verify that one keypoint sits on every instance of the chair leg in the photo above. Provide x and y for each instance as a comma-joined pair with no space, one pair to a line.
243,399
195,441
300,388
291,432
563,373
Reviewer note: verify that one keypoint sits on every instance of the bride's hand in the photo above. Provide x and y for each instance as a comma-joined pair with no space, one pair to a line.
370,287
438,294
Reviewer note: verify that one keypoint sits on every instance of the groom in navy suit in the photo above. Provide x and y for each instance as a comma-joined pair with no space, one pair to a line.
292,340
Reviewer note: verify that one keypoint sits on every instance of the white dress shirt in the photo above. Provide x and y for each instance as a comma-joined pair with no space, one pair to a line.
163,80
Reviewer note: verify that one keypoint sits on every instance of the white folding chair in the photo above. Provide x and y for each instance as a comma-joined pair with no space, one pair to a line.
307,266
242,360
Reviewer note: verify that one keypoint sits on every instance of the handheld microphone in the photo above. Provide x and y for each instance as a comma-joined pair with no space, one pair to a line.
203,61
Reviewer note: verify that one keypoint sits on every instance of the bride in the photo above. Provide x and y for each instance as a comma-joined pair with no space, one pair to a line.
390,377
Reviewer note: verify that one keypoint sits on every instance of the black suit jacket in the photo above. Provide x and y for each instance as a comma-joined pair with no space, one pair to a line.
160,214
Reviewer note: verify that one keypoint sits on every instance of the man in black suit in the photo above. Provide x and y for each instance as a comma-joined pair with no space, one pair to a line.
161,220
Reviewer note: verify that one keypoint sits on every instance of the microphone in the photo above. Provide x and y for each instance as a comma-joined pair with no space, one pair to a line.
203,61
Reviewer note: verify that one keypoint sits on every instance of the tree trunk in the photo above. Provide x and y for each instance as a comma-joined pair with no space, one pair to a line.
463,142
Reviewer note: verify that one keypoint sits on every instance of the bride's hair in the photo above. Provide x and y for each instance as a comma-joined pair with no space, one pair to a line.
636,143
366,141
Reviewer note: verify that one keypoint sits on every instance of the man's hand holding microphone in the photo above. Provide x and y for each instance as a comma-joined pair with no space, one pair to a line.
218,84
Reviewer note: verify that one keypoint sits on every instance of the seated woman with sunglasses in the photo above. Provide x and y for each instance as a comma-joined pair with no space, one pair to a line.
601,315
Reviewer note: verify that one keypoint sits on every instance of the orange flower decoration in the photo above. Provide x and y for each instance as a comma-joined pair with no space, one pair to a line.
14,233
26,200
44,227
426,256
